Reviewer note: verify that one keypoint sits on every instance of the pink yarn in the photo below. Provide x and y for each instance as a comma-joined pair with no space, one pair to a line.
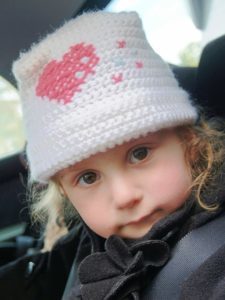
121,44
117,78
61,80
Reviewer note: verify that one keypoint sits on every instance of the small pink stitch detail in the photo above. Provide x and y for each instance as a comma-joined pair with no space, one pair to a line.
117,78
139,64
121,44
61,80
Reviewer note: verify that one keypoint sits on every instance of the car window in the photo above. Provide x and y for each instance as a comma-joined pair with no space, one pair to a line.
11,128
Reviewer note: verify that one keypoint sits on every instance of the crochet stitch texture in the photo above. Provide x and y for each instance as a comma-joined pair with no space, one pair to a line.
91,85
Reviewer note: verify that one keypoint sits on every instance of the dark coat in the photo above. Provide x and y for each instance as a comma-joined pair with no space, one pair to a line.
119,270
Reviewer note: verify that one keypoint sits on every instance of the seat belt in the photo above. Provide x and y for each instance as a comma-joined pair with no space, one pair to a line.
71,282
187,255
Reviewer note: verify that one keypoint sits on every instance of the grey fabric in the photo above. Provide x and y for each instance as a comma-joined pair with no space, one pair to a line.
189,253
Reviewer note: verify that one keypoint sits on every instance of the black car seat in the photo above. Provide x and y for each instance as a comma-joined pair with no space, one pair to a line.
210,78
186,77
206,84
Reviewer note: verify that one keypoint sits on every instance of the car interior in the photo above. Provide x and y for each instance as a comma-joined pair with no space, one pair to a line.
24,22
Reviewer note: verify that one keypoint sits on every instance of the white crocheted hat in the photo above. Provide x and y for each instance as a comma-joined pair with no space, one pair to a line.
93,84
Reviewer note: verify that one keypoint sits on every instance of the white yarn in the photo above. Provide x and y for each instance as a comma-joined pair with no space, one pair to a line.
92,84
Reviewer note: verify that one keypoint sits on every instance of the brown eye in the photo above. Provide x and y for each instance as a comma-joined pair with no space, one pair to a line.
139,154
88,178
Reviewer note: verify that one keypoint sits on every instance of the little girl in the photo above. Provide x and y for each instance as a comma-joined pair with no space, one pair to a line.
121,148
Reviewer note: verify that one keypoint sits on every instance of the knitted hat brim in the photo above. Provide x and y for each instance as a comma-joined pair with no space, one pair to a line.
110,128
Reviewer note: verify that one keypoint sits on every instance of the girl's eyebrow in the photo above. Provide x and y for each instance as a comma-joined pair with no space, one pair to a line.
150,138
72,169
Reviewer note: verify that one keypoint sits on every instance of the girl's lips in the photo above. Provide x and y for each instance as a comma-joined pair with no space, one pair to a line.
152,217
140,220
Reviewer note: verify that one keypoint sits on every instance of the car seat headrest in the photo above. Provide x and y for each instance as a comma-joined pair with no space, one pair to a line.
210,79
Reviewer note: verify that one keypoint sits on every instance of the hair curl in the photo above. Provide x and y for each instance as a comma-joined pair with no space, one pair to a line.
204,146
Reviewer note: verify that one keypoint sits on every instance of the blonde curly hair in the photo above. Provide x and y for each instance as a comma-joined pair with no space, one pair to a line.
204,146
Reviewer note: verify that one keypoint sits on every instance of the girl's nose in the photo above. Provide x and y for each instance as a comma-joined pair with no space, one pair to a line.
125,193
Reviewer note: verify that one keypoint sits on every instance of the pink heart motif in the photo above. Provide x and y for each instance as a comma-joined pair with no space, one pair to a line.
61,80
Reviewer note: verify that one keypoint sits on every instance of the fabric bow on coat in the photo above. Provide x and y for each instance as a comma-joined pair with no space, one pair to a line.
119,272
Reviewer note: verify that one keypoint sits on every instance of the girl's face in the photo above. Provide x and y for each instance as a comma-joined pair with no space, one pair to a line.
127,189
